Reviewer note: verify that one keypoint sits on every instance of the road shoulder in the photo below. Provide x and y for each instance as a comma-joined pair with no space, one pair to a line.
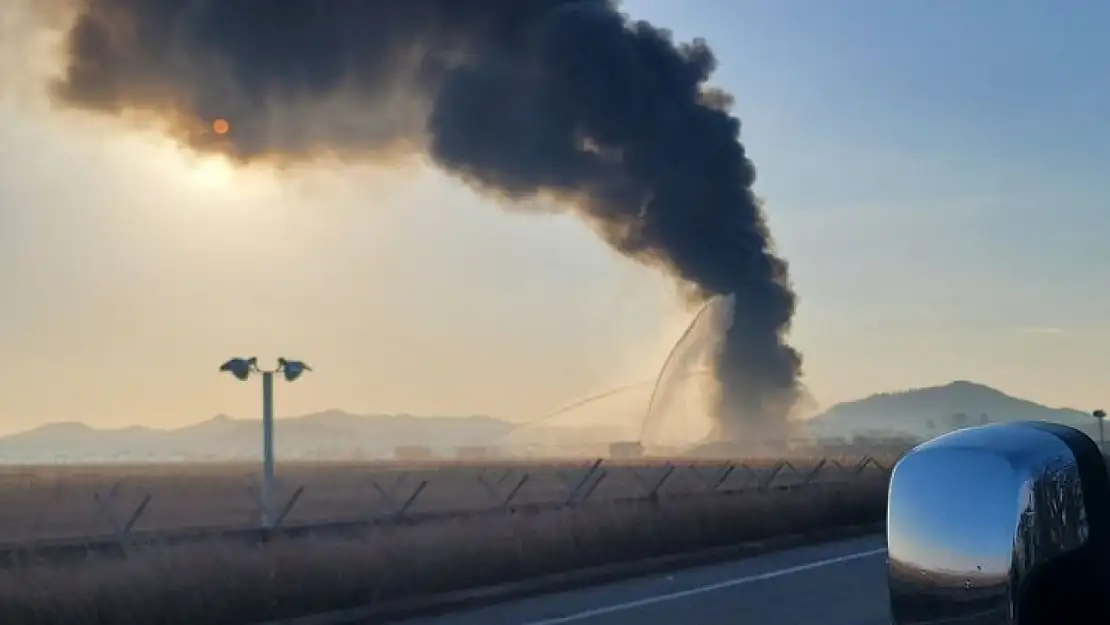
628,573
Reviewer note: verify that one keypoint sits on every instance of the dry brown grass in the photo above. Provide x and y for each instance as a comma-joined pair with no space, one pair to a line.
211,583
58,502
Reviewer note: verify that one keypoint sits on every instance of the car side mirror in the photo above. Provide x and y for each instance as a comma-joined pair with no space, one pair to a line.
1006,524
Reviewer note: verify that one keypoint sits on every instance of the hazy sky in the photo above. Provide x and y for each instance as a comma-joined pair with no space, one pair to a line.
937,173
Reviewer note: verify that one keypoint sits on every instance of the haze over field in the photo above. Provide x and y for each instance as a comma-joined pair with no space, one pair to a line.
942,213
338,435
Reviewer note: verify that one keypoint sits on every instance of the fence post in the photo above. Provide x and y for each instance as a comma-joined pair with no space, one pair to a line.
715,479
504,476
653,490
861,465
812,474
750,474
494,493
399,512
766,482
122,531
585,478
590,491
723,477
288,507
516,489
490,490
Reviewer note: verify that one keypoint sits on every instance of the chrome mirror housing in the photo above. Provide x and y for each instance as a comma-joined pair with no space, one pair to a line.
1003,524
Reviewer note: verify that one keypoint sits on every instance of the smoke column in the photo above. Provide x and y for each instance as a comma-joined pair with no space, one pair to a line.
566,99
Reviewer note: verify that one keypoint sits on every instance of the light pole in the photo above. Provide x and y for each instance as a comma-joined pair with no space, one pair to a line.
1099,414
242,368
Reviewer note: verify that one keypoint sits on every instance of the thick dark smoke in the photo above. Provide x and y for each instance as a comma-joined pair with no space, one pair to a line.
562,98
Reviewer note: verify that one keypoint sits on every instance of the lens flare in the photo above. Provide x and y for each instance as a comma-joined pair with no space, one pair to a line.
221,126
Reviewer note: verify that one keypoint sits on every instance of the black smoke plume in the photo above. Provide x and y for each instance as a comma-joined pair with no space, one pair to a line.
569,99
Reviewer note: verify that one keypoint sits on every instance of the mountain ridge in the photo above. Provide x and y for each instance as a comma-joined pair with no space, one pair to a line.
927,411
333,433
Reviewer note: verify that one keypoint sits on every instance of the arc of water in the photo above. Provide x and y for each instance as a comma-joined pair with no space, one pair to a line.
705,309
655,382
597,397
582,402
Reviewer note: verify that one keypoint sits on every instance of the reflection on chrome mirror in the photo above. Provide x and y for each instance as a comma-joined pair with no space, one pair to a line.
998,524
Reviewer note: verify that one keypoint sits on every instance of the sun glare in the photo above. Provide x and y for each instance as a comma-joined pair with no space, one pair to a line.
211,173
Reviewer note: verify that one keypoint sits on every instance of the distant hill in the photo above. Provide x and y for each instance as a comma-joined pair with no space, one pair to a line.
927,412
332,434
321,435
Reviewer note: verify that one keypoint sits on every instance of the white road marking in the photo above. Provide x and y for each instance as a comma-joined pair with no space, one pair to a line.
689,592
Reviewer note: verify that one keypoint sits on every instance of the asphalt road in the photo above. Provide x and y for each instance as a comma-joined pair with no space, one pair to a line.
841,583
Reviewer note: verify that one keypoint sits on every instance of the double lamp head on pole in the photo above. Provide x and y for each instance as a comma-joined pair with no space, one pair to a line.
242,368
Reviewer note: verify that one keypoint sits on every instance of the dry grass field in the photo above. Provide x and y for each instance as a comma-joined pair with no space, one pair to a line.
217,582
44,503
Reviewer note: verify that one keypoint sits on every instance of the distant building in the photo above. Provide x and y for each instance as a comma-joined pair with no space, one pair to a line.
626,450
413,452
473,452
